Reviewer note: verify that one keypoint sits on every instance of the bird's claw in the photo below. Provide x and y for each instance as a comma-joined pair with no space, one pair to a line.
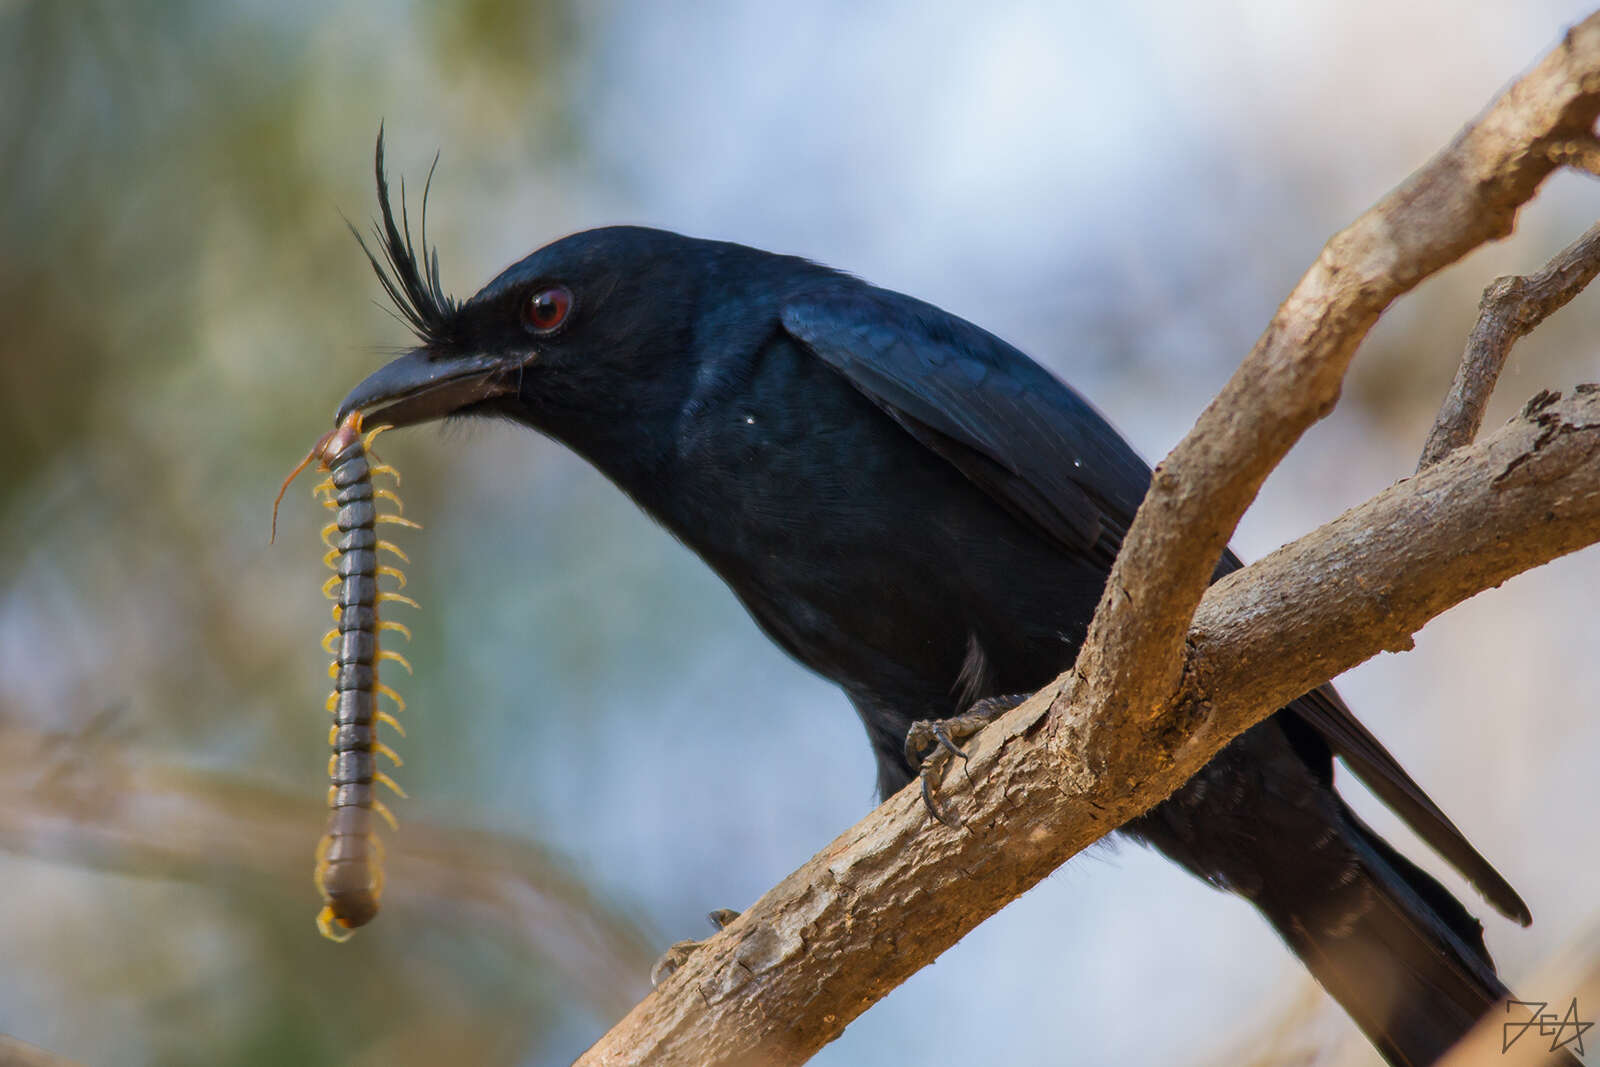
932,743
678,954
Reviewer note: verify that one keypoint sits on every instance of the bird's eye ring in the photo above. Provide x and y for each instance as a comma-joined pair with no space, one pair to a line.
547,309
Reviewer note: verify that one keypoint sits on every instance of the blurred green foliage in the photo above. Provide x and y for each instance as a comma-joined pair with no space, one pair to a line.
178,287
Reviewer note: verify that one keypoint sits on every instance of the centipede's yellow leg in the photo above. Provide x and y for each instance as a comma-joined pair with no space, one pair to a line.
384,468
380,778
381,749
330,639
372,435
393,723
399,520
384,653
331,927
333,703
331,559
328,531
388,816
388,546
399,705
330,585
396,598
385,494
385,569
399,627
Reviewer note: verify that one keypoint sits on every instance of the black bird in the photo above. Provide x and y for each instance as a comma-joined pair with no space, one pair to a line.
917,511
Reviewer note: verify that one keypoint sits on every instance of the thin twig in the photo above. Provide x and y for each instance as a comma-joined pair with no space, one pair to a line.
15,1053
1510,309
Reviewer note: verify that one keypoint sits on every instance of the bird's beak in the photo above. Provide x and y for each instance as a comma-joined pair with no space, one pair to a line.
423,385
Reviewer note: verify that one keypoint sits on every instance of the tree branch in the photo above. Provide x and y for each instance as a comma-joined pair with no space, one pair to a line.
1141,711
1511,308
887,896
1467,194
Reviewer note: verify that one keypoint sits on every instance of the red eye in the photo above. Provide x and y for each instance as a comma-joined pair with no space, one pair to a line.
547,309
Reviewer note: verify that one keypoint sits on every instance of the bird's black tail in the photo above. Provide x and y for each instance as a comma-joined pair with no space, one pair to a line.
1400,954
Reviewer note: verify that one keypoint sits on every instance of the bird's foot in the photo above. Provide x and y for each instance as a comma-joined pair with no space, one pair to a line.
932,743
679,953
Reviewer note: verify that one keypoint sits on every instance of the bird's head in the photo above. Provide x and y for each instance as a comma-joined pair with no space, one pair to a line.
585,331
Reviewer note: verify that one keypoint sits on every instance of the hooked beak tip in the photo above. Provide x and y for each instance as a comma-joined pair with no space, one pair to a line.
422,385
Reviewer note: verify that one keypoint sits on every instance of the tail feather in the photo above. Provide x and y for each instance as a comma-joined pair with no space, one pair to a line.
1402,957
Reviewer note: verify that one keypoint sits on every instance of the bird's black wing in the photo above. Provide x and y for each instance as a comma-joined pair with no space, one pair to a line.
1010,426
1045,455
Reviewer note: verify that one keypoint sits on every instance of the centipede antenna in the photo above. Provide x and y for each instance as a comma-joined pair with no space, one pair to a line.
284,488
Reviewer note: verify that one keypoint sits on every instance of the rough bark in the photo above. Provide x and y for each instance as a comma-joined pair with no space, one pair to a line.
1160,687
1511,308
897,888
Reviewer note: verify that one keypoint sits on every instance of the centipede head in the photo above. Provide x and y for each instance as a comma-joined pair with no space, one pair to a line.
328,445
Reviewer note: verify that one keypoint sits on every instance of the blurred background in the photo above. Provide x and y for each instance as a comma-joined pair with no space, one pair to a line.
601,746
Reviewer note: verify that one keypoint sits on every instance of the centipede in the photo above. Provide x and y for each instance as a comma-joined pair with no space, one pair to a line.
349,857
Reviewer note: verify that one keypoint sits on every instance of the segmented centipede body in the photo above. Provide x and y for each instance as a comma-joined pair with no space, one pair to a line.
349,871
